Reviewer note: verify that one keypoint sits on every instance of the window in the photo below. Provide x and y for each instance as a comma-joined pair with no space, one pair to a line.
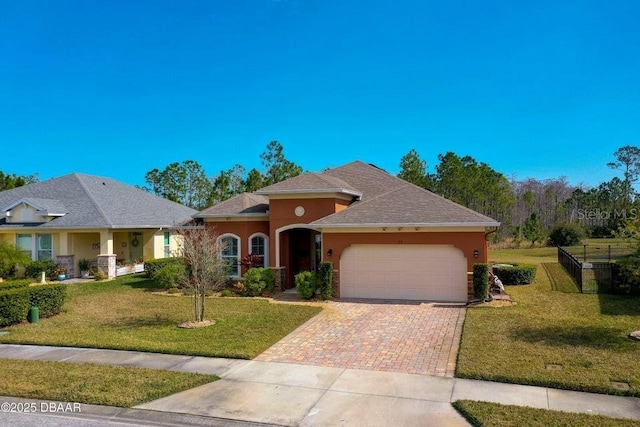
167,244
24,242
231,253
258,246
45,248
36,246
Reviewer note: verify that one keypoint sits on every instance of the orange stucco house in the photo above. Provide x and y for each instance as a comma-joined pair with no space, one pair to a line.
387,238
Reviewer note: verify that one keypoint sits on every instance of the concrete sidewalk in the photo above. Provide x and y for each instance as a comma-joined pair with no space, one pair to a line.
292,394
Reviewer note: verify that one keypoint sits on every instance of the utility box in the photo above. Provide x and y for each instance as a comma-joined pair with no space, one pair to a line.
34,315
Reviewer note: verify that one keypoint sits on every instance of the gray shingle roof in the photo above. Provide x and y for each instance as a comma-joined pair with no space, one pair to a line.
98,202
311,182
242,204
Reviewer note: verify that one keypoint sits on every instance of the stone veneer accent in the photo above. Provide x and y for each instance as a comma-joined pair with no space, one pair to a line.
107,265
336,284
67,261
281,278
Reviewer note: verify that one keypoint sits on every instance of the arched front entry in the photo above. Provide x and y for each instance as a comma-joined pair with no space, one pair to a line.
298,248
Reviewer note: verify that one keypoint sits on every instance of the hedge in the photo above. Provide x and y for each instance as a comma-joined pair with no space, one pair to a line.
150,267
480,281
515,274
48,298
15,303
306,284
14,306
325,279
14,284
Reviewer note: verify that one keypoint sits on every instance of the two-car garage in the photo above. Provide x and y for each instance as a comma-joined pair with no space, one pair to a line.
403,271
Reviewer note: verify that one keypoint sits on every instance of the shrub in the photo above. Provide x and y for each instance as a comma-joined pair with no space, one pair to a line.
259,280
151,266
568,234
306,284
170,276
325,279
226,293
515,274
48,298
35,268
97,274
208,293
14,306
480,281
14,284
173,290
188,292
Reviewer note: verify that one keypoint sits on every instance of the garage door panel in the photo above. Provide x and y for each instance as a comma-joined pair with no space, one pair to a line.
416,272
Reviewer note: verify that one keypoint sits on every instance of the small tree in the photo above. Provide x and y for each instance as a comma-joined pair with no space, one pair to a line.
201,250
10,257
532,229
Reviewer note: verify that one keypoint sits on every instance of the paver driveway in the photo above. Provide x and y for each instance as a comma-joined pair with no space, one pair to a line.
411,338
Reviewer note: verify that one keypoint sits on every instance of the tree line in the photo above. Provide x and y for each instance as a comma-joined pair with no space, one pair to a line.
528,209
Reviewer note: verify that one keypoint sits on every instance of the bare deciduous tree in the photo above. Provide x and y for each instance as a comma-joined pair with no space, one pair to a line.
206,270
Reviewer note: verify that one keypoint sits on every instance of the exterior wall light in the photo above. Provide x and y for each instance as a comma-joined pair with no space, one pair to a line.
330,252
476,253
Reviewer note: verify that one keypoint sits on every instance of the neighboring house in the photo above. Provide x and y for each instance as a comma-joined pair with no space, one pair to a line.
84,216
386,237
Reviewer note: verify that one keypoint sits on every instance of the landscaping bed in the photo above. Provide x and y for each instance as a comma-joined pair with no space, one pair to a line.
124,314
553,338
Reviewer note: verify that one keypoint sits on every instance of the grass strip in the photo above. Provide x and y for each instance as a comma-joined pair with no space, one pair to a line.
92,383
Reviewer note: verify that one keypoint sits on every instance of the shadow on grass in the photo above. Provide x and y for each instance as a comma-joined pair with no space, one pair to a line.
137,322
619,305
580,336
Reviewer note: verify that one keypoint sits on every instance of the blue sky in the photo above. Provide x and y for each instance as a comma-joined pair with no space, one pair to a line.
116,88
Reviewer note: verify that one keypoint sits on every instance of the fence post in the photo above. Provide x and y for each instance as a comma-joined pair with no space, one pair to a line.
584,253
609,253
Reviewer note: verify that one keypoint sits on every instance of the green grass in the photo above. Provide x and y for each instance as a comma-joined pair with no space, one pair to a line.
559,278
585,333
495,415
91,383
124,314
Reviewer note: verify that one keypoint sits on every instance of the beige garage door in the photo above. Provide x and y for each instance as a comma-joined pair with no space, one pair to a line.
413,272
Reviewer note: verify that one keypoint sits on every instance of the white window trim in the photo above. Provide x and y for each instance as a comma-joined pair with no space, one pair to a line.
236,276
34,244
266,246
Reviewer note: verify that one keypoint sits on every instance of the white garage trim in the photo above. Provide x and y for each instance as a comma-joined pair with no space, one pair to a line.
412,272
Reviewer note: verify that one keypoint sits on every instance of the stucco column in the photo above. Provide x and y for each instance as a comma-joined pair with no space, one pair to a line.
107,259
63,243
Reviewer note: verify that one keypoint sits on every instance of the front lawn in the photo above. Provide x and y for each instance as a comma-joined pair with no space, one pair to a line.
484,414
553,338
124,314
91,383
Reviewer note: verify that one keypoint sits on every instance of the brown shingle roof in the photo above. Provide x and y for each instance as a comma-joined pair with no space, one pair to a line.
311,182
407,205
242,204
385,200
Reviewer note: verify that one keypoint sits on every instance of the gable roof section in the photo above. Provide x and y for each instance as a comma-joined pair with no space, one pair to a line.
407,205
245,204
49,207
99,202
311,182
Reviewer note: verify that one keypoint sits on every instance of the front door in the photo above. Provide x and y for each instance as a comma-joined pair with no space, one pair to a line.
135,246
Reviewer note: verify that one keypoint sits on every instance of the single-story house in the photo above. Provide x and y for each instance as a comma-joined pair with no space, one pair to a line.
386,237
81,216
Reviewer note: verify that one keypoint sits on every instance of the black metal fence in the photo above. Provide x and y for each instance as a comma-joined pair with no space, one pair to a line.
599,253
572,265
